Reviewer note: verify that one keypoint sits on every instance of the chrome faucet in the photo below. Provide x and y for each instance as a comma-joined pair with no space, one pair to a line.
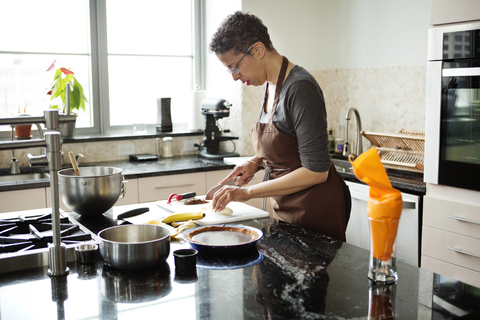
52,160
14,165
346,146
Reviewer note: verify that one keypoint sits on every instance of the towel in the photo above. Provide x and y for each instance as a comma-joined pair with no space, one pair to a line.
384,203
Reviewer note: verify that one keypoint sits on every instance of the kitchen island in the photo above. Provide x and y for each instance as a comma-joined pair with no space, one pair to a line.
293,274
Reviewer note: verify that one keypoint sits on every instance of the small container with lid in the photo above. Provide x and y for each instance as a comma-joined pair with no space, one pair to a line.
331,141
167,147
339,142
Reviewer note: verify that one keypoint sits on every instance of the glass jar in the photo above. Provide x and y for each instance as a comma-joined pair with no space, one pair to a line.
167,147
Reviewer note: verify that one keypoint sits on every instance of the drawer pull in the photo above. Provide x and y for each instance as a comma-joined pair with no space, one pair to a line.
364,197
179,186
464,252
464,220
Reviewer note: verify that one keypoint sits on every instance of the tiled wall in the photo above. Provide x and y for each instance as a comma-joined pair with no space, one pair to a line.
388,100
99,151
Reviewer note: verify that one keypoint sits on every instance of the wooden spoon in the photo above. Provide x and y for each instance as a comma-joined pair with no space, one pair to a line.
74,163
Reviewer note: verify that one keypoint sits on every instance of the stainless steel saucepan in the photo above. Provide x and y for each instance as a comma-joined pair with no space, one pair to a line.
130,247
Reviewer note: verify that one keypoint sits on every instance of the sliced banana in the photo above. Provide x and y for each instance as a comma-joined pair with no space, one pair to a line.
225,211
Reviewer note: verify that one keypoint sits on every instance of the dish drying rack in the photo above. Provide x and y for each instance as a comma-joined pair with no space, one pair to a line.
401,151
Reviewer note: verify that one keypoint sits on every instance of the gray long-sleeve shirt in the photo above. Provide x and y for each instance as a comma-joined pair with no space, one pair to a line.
301,114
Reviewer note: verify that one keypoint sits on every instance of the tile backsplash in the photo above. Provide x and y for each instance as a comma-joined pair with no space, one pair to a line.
388,99
100,151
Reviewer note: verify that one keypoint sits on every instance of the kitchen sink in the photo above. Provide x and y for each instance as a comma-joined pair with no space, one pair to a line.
342,165
24,177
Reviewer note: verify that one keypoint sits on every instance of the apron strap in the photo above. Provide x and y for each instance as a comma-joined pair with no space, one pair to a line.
281,78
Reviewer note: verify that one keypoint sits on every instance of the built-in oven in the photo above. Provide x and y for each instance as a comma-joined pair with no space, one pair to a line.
452,129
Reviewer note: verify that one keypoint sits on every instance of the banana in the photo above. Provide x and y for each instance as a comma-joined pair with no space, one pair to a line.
155,221
184,216
187,225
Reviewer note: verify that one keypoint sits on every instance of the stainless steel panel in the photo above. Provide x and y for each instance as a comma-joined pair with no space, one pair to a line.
461,72
432,121
435,38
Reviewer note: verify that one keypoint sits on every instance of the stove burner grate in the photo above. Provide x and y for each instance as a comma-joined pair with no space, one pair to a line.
22,234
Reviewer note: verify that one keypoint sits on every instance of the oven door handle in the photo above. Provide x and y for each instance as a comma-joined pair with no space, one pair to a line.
364,197
461,72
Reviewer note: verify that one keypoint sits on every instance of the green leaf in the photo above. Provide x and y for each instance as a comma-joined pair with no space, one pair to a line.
75,100
58,74
78,86
57,89
68,78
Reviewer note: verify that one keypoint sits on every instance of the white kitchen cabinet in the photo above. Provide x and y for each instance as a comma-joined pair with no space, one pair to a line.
131,193
160,187
448,11
137,191
27,199
358,230
213,177
451,239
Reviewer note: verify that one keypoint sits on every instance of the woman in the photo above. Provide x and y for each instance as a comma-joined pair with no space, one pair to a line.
290,136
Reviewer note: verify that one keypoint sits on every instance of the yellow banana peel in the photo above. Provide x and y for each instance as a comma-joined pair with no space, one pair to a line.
187,225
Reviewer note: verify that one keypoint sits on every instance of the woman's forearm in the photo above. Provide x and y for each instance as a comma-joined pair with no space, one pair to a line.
292,182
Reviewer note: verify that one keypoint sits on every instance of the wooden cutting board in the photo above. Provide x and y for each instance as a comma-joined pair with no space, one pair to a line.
241,211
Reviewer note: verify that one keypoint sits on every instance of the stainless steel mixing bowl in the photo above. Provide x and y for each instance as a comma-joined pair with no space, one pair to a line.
94,192
134,246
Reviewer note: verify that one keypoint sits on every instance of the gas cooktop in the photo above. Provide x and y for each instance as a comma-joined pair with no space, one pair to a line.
24,238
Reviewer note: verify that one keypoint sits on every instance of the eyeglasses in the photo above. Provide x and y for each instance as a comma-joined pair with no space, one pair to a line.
234,70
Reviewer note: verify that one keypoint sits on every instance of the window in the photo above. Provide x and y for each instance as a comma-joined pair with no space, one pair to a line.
125,54
33,35
149,56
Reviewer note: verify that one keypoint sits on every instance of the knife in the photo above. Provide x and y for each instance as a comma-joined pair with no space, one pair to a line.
179,197
211,192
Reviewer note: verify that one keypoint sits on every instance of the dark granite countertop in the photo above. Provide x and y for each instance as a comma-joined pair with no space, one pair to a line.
295,274
404,181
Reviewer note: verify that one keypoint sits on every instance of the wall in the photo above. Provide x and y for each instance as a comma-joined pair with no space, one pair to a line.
368,54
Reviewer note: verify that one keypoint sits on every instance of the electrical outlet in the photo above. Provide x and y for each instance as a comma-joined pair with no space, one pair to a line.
189,145
126,149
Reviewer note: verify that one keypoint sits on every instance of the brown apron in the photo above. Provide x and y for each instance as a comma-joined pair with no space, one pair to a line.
320,207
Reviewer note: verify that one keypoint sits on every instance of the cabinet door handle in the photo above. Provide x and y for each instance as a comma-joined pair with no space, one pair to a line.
409,205
364,197
464,252
179,186
464,220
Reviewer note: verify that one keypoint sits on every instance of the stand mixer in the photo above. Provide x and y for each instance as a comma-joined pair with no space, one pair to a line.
214,109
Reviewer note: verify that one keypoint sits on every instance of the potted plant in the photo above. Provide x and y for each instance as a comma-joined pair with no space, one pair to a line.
23,131
59,89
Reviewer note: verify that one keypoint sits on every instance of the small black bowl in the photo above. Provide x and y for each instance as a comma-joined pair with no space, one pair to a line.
185,261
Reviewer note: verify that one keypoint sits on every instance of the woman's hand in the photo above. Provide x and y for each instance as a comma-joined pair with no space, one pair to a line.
243,172
227,194
292,182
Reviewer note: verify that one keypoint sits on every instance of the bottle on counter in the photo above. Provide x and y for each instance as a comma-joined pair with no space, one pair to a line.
339,142
331,141
158,142
167,147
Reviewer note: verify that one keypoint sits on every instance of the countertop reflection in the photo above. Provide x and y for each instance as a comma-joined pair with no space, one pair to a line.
295,274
